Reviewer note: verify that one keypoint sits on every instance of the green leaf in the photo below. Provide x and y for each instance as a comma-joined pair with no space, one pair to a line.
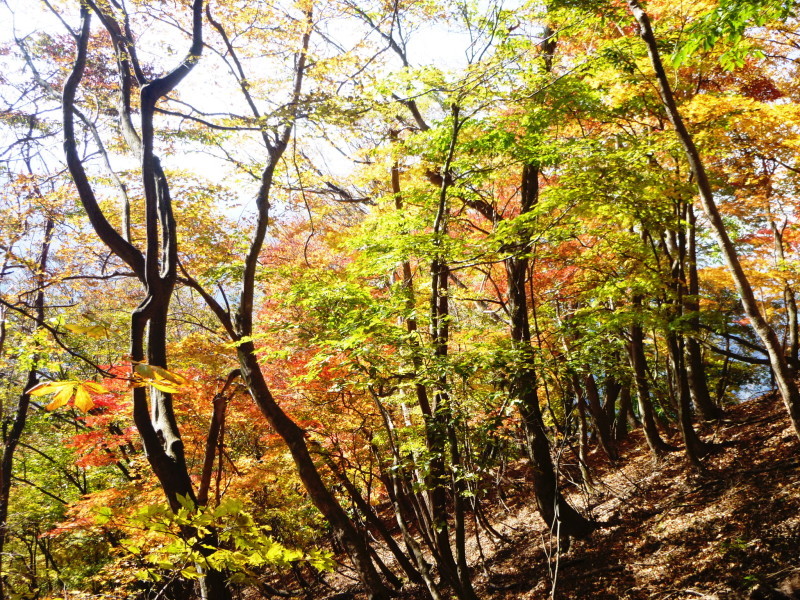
103,515
190,573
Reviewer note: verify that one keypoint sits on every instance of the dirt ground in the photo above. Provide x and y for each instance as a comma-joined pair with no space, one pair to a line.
731,531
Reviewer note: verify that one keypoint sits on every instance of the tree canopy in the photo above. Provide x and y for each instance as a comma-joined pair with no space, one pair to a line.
290,288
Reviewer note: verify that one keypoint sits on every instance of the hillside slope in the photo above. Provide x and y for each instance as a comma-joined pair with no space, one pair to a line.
730,532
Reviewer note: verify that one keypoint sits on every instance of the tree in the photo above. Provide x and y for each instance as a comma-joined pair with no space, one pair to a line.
158,425
780,367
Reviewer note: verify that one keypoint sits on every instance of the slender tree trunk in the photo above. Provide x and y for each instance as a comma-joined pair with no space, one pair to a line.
783,376
602,424
676,249
438,415
294,437
555,510
694,447
624,414
12,438
639,364
613,388
789,300
372,519
695,368
443,417
583,437
214,440
398,496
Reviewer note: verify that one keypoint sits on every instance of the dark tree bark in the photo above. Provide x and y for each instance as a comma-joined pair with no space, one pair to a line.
695,367
675,249
600,418
439,432
624,414
441,423
612,390
214,440
371,518
240,326
694,447
789,301
294,437
559,515
156,268
639,365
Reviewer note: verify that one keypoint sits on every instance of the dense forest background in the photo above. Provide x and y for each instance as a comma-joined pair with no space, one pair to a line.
304,299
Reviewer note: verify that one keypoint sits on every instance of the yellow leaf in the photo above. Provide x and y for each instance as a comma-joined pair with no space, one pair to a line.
93,331
65,390
163,374
95,388
49,387
83,400
160,378
164,387
144,371
62,396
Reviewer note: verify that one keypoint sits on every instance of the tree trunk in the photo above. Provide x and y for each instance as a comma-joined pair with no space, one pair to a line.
399,500
369,515
613,388
156,268
624,414
559,515
694,447
583,437
789,300
783,376
12,438
602,424
639,365
439,433
695,368
294,437
442,422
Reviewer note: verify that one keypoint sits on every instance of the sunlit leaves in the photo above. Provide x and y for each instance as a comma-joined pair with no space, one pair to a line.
242,545
729,22
63,391
159,378
97,332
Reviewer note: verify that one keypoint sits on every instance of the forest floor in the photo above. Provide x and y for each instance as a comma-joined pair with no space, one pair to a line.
666,533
